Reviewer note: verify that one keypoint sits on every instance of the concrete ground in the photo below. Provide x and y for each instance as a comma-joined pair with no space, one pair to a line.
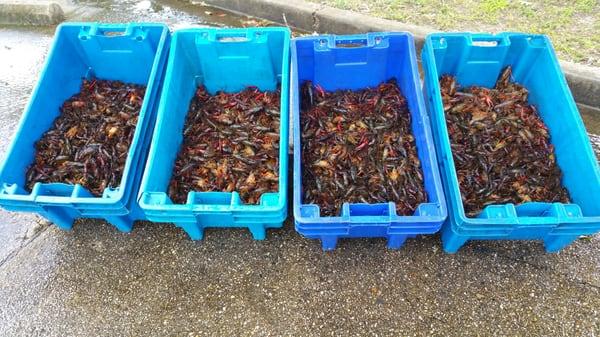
96,281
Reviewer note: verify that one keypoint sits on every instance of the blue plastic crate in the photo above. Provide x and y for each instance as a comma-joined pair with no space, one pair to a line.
222,60
356,62
477,59
133,53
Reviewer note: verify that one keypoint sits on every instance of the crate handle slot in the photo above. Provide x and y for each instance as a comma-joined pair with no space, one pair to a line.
107,31
362,209
55,189
230,37
359,43
548,209
209,198
113,33
487,41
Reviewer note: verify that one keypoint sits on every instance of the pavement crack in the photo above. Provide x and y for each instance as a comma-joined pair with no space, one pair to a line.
315,18
24,244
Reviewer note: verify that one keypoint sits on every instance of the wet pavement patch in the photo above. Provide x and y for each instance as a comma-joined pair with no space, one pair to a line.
95,281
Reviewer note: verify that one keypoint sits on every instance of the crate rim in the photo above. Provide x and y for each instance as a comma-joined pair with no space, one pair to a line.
357,36
231,29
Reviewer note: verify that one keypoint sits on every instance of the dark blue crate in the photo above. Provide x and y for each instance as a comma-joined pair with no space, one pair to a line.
133,53
477,59
220,59
373,58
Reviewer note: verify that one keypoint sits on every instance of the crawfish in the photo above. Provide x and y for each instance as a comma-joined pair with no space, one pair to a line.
89,140
230,143
355,147
500,145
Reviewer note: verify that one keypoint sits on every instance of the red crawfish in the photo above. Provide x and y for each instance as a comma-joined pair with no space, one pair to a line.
89,141
500,145
230,143
357,146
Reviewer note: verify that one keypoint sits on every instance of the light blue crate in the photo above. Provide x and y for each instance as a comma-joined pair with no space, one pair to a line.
372,58
133,53
222,60
478,59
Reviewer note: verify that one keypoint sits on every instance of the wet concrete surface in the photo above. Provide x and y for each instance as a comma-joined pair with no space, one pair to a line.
175,13
96,281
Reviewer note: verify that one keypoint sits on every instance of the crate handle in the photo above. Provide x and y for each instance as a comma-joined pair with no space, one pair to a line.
109,32
230,39
358,43
487,41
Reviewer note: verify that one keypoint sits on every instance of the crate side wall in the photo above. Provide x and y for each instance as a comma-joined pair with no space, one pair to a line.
178,91
550,95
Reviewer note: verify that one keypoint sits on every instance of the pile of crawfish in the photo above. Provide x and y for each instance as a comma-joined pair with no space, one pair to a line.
501,147
357,147
230,143
89,140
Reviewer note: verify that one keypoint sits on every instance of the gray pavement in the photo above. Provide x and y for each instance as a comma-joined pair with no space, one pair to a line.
96,281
